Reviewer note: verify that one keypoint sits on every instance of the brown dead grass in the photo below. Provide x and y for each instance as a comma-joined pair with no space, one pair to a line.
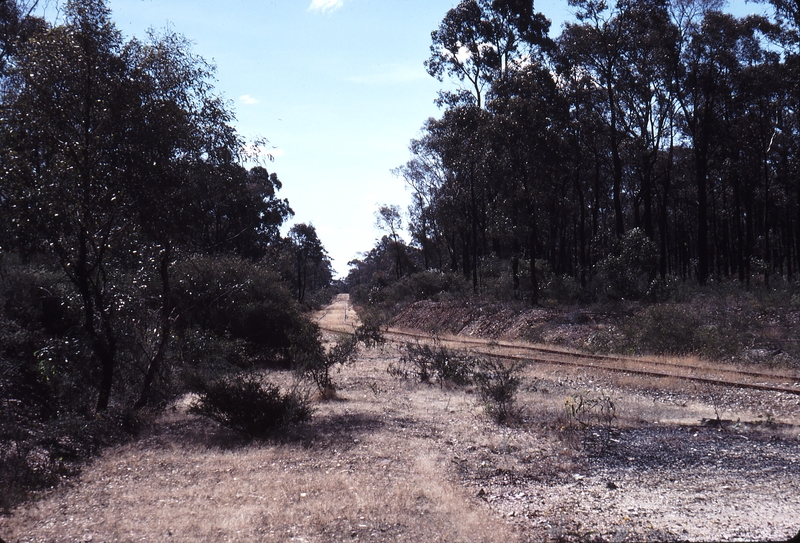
370,466
394,460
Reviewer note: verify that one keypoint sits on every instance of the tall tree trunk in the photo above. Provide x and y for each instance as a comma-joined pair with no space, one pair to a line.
532,235
701,180
664,216
96,320
617,163
515,265
165,325
581,230
474,229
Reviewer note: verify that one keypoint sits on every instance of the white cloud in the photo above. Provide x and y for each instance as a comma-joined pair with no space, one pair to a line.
248,100
325,5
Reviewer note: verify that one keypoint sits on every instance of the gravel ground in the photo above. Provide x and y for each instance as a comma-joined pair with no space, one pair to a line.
660,484
395,460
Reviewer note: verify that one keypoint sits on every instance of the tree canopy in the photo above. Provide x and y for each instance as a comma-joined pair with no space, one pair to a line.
670,119
122,176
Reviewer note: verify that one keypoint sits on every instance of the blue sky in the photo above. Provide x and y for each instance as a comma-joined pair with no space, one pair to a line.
338,87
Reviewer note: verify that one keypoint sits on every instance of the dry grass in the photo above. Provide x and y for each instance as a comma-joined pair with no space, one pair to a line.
394,460
371,466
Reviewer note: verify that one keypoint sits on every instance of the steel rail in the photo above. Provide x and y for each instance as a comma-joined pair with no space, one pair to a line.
619,364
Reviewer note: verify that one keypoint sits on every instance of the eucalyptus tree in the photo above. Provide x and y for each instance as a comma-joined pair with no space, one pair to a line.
17,23
389,220
462,138
755,146
680,121
787,17
65,161
590,53
437,222
530,116
191,192
479,41
425,175
714,47
311,262
116,155
648,54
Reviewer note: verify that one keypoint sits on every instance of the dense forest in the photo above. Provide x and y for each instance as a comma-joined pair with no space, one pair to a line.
140,238
651,141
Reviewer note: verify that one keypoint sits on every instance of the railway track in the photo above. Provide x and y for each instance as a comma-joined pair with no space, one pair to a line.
724,375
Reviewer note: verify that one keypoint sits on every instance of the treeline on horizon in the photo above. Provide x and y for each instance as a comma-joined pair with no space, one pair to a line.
651,140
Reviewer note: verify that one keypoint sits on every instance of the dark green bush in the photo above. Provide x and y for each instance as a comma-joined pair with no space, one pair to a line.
664,329
679,329
244,304
628,272
372,329
47,422
250,404
563,289
424,285
317,365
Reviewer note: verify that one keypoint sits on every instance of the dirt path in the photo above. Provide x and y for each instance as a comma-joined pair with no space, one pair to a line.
394,460
339,316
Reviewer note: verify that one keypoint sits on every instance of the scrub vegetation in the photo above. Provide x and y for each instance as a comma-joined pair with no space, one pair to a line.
628,187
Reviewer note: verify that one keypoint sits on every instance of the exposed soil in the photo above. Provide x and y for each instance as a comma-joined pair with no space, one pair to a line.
748,333
396,460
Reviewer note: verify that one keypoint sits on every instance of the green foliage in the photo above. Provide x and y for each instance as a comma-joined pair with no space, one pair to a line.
44,357
372,328
665,329
705,329
47,425
498,383
243,304
312,267
629,270
318,364
39,444
423,285
618,159
130,233
250,404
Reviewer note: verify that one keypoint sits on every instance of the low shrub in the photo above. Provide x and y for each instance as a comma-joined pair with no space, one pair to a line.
564,289
372,329
250,404
425,285
239,300
688,328
434,363
498,383
627,273
317,364
664,329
